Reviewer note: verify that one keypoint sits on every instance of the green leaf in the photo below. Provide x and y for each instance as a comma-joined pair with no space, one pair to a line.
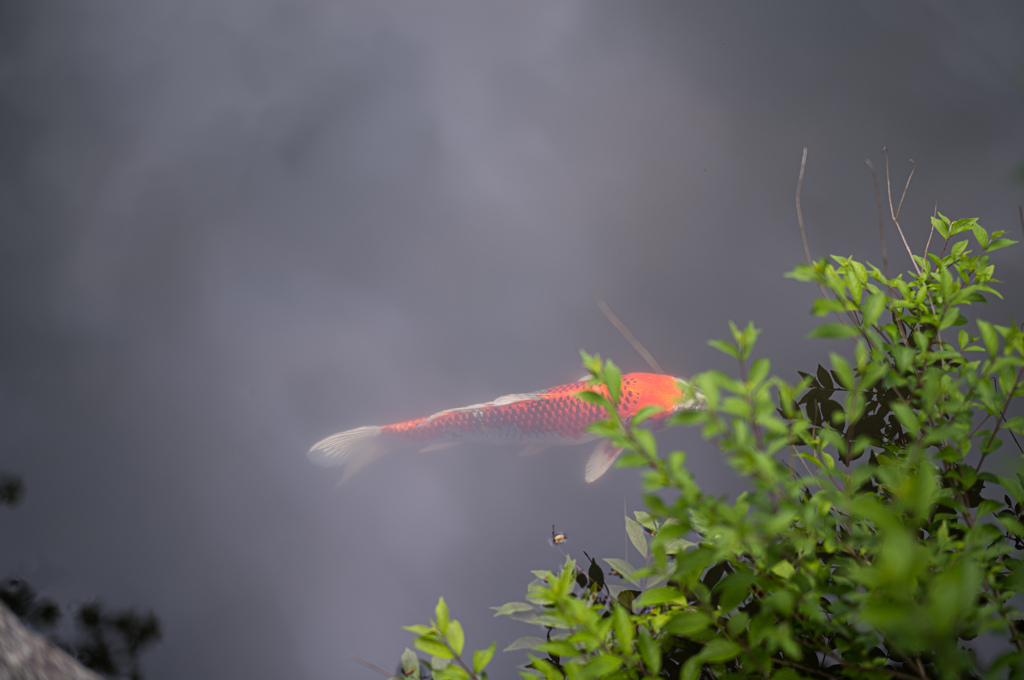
963,225
624,568
989,337
624,630
998,243
737,623
637,536
645,413
432,647
549,670
907,418
988,505
734,589
824,379
482,657
659,595
691,668
591,362
626,598
1012,524
592,397
688,623
599,667
950,318
605,429
842,369
419,629
725,348
441,616
613,379
456,638
650,652
873,308
528,642
645,520
512,608
759,371
980,234
410,664
558,648
783,569
646,442
719,650
834,330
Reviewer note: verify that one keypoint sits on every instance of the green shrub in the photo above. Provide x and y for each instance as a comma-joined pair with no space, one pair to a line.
871,540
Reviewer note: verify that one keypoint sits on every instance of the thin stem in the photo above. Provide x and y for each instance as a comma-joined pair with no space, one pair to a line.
373,667
896,221
1002,415
803,232
630,338
892,211
881,236
935,212
799,210
909,177
458,658
881,222
1006,616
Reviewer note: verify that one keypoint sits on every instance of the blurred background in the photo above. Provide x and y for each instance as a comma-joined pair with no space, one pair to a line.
229,229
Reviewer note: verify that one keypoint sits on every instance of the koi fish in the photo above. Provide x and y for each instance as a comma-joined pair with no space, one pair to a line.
552,417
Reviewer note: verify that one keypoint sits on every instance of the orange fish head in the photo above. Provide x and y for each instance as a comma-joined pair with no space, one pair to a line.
670,393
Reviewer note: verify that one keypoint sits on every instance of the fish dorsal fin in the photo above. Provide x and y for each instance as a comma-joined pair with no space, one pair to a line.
500,401
512,399
600,461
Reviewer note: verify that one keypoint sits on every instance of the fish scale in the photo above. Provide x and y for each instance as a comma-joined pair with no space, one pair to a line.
547,415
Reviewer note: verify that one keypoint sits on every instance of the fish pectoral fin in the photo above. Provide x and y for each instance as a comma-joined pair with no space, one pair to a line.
600,461
438,446
534,449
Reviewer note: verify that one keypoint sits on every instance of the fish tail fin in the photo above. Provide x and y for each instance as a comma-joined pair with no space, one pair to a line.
352,450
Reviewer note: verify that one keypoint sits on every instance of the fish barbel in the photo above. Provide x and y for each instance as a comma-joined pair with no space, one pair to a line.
552,417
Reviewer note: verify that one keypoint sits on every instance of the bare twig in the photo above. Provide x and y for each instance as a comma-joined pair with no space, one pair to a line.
896,221
630,338
799,210
881,237
909,177
920,669
935,213
373,667
803,233
892,211
1002,415
881,225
